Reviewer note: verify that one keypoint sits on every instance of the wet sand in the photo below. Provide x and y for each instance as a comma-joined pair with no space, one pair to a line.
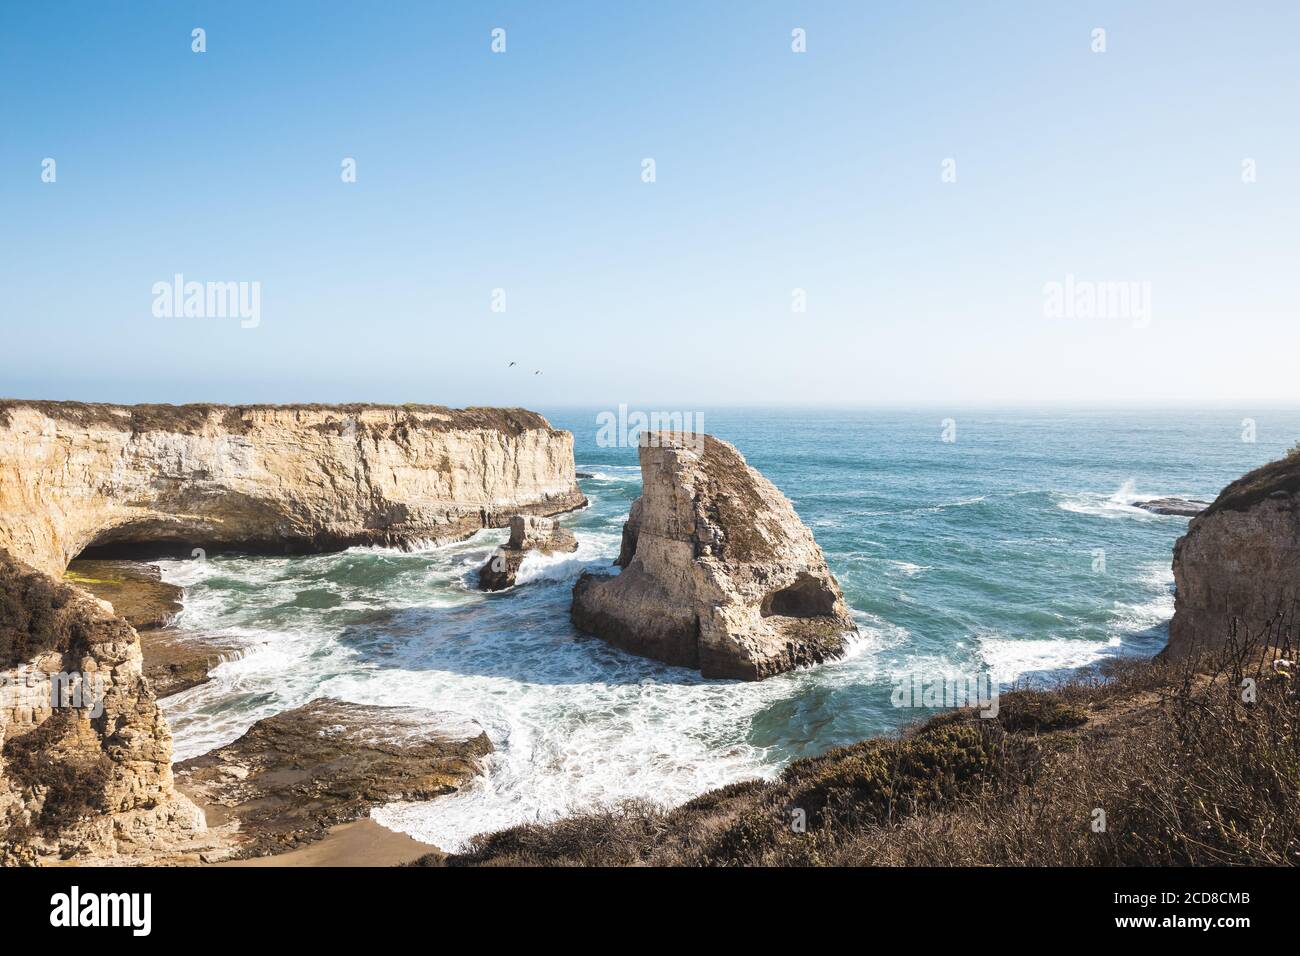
359,843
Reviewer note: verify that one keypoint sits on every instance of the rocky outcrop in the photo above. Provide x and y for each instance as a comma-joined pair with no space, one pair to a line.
1240,563
293,776
274,478
718,572
1182,507
173,660
85,764
527,533
136,590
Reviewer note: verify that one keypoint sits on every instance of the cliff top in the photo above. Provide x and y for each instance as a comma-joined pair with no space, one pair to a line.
39,614
189,419
735,496
1282,475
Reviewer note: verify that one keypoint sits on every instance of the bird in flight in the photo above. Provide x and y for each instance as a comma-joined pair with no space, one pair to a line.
538,372
511,365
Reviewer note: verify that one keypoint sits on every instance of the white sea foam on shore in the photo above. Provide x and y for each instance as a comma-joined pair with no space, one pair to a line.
1010,659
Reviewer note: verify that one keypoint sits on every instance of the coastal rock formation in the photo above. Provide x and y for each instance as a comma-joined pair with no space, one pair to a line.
85,755
1240,560
274,478
136,590
718,573
85,765
1181,507
293,776
173,660
527,533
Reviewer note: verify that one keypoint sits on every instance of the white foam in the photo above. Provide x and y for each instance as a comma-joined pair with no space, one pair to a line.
594,550
611,473
1130,618
908,569
1119,504
1009,659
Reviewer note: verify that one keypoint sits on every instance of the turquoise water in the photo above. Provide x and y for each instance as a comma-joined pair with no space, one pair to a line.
979,555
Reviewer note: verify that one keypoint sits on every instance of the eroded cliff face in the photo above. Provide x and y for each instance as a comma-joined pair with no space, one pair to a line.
269,478
1240,560
85,765
718,573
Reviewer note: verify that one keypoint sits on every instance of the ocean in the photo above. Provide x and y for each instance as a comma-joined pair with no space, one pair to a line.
1012,551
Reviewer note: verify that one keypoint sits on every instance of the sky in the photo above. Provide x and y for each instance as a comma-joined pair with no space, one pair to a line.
928,174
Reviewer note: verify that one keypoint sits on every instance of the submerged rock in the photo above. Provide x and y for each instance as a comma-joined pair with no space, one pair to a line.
1239,564
527,533
718,573
1182,507
293,776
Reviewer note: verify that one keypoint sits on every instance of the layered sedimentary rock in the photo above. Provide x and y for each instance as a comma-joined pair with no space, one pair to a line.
1239,563
269,478
85,755
293,776
527,533
718,572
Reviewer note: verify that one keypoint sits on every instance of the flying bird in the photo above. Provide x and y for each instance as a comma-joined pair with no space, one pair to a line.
511,365
538,372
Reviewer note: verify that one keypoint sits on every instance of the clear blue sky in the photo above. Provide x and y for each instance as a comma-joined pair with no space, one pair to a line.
775,171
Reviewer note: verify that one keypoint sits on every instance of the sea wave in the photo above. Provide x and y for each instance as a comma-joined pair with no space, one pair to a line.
907,568
594,551
1120,503
1144,616
1010,659
611,473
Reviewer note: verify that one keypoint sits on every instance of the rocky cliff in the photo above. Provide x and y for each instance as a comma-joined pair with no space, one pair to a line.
85,755
718,573
1240,560
277,478
85,765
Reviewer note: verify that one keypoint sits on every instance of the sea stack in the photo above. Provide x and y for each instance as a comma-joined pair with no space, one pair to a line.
1240,562
527,533
719,573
